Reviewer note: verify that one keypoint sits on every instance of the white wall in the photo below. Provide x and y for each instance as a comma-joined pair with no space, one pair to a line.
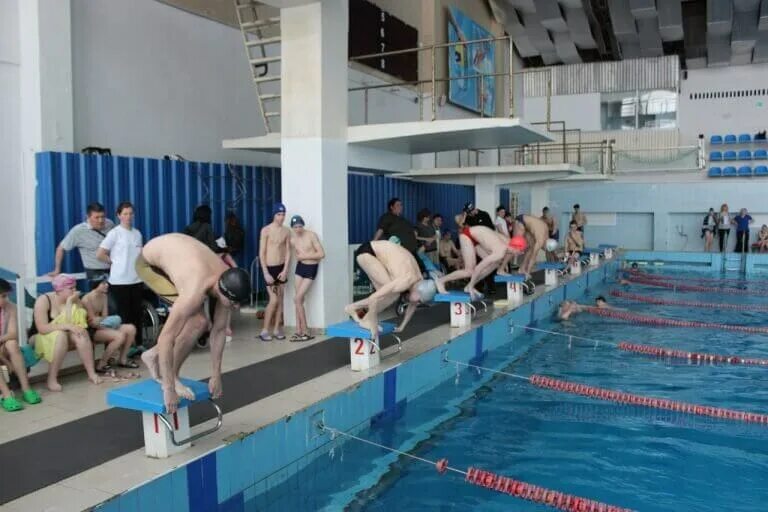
150,79
577,110
11,257
723,115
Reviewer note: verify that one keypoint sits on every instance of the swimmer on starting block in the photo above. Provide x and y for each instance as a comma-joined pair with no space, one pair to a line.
393,271
536,233
183,273
490,245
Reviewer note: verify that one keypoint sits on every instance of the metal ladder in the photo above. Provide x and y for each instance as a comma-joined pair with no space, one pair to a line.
252,27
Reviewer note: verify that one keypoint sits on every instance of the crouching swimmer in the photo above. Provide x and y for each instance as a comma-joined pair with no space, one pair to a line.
393,271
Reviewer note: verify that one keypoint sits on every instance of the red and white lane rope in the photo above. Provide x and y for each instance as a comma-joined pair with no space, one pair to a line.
718,280
498,483
698,357
623,397
694,288
690,303
670,322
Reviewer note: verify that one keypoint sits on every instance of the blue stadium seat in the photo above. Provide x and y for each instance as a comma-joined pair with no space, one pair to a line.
729,139
729,171
729,155
745,138
716,139
745,154
745,170
761,170
760,154
715,156
715,172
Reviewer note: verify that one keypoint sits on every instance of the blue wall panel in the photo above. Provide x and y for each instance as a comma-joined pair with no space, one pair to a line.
166,193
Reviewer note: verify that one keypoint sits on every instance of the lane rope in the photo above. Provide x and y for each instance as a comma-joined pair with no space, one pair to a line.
669,322
719,280
693,288
690,303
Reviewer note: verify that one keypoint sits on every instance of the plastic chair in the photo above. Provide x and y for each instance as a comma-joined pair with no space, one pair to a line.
716,139
745,138
761,170
715,156
729,155
715,172
745,170
760,154
729,171
729,139
745,154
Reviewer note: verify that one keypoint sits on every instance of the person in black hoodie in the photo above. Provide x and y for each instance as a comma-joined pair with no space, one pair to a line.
234,234
708,227
201,228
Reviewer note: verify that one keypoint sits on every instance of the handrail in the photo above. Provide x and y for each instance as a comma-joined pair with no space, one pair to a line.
429,47
195,437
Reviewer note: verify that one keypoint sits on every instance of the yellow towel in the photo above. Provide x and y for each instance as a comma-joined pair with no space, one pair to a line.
46,343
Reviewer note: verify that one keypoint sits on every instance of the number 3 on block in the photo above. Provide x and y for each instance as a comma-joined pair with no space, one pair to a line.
458,308
359,349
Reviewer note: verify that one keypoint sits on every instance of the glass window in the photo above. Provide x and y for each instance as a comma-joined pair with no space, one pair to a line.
658,109
617,111
638,110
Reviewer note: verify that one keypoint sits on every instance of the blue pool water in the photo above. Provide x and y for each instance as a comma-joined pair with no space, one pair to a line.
633,457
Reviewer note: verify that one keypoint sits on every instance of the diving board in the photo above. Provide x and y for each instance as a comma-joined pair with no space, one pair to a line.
164,434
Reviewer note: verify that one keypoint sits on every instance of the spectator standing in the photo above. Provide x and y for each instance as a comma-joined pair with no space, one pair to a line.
11,355
579,217
86,237
723,226
426,235
437,223
392,223
742,221
120,249
500,221
234,234
708,227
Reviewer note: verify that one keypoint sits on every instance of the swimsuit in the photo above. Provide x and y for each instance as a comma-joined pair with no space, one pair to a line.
275,271
305,270
365,248
467,233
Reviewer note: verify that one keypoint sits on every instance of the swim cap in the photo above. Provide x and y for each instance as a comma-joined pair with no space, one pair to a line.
552,245
62,282
235,285
278,208
296,220
426,290
395,239
518,243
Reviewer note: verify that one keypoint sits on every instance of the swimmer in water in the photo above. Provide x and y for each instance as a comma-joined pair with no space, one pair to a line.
569,308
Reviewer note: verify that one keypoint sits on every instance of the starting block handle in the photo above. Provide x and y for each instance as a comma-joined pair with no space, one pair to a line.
219,421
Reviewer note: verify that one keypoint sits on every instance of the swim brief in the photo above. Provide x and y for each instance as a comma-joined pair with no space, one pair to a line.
307,271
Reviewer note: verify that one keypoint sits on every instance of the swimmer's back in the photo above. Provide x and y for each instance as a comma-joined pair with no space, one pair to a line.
182,258
395,258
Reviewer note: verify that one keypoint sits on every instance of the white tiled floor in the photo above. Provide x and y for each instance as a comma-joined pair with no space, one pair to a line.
81,398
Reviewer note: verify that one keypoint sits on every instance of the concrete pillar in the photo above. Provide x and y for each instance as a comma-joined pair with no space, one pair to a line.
314,145
539,198
46,113
486,193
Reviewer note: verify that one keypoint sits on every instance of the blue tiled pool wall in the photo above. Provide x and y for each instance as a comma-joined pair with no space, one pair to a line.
750,263
235,474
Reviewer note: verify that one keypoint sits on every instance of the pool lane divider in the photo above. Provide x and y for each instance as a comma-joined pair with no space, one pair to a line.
622,397
697,357
721,281
694,288
670,322
689,303
498,483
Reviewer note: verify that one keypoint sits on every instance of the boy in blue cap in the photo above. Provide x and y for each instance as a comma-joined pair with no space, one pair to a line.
309,251
274,256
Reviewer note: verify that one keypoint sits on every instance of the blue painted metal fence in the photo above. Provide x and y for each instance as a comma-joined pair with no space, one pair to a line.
165,193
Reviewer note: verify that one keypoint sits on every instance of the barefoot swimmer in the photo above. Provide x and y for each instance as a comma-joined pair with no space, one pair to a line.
183,272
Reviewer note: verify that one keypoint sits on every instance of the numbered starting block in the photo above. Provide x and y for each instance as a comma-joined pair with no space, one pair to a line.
607,250
551,271
515,284
575,267
462,309
164,434
364,352
594,256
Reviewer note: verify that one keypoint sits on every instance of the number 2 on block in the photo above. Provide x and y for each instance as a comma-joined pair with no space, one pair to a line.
359,351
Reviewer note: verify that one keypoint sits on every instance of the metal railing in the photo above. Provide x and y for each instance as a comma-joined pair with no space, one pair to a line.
434,80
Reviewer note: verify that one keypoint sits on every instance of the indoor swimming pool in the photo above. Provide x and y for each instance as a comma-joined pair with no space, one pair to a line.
640,458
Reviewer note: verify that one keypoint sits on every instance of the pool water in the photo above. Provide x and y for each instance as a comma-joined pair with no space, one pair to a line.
623,455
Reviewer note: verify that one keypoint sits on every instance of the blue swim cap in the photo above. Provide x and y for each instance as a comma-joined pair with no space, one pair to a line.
296,220
395,239
278,208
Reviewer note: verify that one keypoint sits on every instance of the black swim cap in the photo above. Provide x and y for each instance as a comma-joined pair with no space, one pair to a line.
235,285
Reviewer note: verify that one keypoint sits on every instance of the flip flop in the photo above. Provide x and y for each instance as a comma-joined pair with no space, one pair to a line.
11,404
280,337
130,365
31,397
265,337
103,370
296,337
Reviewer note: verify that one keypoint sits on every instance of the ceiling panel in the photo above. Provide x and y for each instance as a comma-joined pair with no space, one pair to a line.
578,25
670,20
643,9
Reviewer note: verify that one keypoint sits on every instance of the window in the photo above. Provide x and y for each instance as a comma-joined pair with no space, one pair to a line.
638,110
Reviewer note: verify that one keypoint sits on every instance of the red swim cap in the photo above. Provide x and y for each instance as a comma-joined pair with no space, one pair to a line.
518,243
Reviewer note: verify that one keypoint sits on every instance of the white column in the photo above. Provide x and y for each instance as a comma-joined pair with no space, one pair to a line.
486,193
46,113
539,198
314,145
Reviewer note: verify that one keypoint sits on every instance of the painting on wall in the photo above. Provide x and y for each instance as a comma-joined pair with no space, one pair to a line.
478,93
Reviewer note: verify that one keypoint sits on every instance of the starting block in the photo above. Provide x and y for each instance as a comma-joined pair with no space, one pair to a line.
594,256
364,352
514,288
164,434
607,250
462,309
550,272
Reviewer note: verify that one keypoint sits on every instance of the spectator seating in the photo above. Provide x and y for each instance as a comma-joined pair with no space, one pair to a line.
742,171
761,170
745,170
729,171
745,138
716,139
715,172
729,155
715,156
729,139
760,154
744,154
